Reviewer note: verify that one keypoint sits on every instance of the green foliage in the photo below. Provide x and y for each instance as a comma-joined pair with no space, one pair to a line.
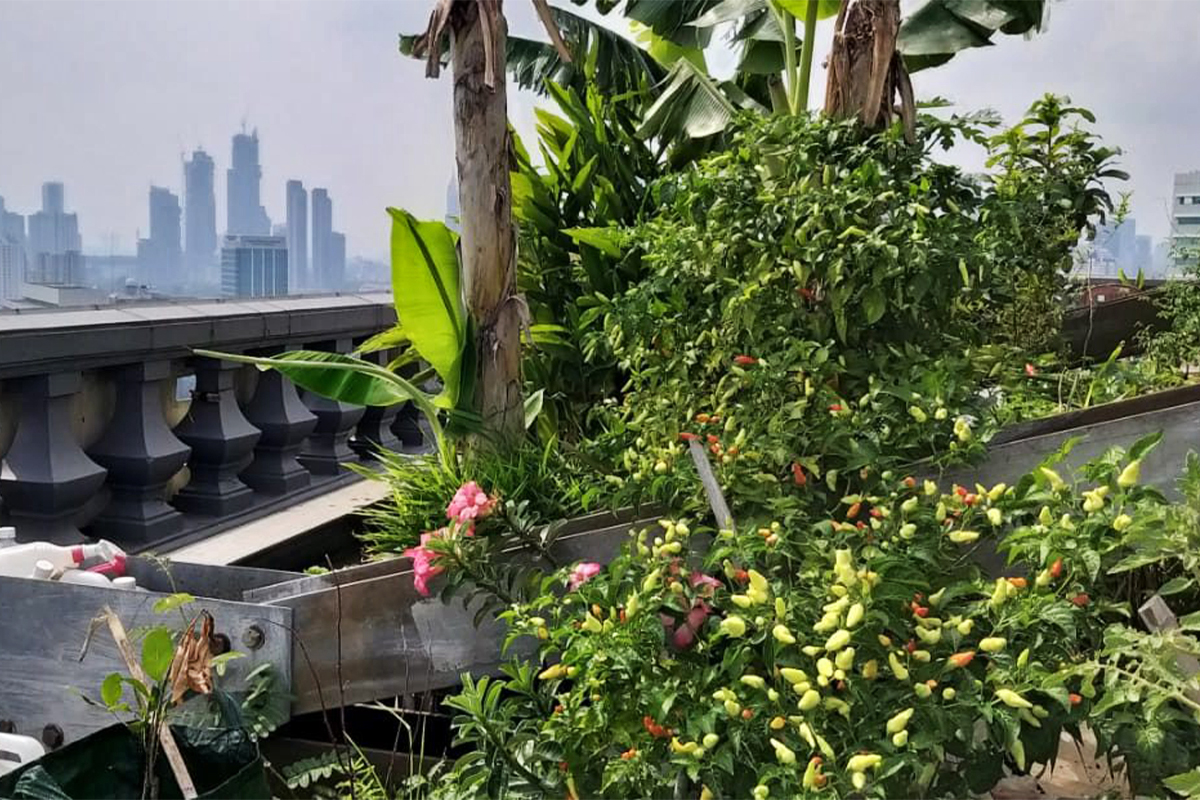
547,482
1047,189
594,175
937,30
1174,344
652,681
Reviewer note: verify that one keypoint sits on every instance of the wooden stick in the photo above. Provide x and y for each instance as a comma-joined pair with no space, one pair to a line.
711,488
166,739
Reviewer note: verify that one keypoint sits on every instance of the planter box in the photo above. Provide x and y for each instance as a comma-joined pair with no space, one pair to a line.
354,635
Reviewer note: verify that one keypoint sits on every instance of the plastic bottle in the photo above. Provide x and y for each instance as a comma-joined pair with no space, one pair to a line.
111,569
18,561
8,537
125,582
42,570
84,578
25,748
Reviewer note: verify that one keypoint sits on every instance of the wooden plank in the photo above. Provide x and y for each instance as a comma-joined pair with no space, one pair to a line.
1107,412
44,625
294,585
1180,425
392,641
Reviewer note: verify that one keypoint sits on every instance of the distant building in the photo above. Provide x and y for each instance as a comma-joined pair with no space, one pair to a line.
1117,241
53,232
297,234
322,235
56,269
59,296
12,253
12,269
200,216
452,210
1142,254
160,257
1185,220
254,266
245,214
336,275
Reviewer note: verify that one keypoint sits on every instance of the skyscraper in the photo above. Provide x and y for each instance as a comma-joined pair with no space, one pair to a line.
12,253
245,212
12,227
161,255
297,234
200,215
52,230
1185,220
336,275
254,266
322,236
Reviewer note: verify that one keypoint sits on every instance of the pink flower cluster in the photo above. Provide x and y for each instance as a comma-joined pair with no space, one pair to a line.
582,574
422,557
470,503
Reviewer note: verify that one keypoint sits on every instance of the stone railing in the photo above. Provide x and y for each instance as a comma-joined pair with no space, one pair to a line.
110,426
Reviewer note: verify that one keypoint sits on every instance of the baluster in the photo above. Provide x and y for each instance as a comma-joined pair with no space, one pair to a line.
141,454
222,443
276,410
408,424
374,430
327,447
46,480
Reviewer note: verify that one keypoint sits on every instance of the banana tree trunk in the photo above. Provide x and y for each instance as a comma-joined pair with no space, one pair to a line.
482,149
866,72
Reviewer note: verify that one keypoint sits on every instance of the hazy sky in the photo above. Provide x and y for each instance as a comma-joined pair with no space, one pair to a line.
105,95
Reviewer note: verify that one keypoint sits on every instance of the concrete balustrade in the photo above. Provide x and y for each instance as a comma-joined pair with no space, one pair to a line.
111,426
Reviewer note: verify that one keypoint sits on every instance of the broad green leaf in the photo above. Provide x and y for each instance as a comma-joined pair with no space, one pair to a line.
937,30
606,240
158,649
874,304
533,407
394,336
112,689
729,11
1144,445
172,602
1190,622
336,376
1185,783
1175,586
427,291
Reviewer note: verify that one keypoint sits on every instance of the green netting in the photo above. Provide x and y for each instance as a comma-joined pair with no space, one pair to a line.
223,763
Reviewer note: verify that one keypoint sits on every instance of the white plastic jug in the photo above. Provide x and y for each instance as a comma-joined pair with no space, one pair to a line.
18,561
17,750
8,537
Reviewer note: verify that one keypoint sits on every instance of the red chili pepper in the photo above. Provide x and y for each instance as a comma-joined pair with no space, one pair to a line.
741,576
921,611
712,439
875,513
715,449
1030,370
1081,600
744,361
623,617
816,760
910,645
960,491
1075,699
628,754
564,766
970,498
1020,583
688,437
962,659
798,474
910,482
835,407
558,709
852,512
747,713
806,293
702,418
1056,568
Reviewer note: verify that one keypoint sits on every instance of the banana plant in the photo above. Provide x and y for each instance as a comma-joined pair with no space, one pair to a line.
433,328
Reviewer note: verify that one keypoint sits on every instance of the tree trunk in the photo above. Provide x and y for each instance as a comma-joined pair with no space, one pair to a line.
482,150
865,70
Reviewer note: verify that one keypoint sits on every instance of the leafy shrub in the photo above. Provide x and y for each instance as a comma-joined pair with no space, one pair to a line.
866,655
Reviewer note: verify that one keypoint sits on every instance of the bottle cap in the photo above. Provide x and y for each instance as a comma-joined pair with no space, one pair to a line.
125,582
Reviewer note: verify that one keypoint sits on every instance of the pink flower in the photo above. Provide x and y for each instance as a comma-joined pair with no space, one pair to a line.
699,579
582,574
1030,370
423,557
470,503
